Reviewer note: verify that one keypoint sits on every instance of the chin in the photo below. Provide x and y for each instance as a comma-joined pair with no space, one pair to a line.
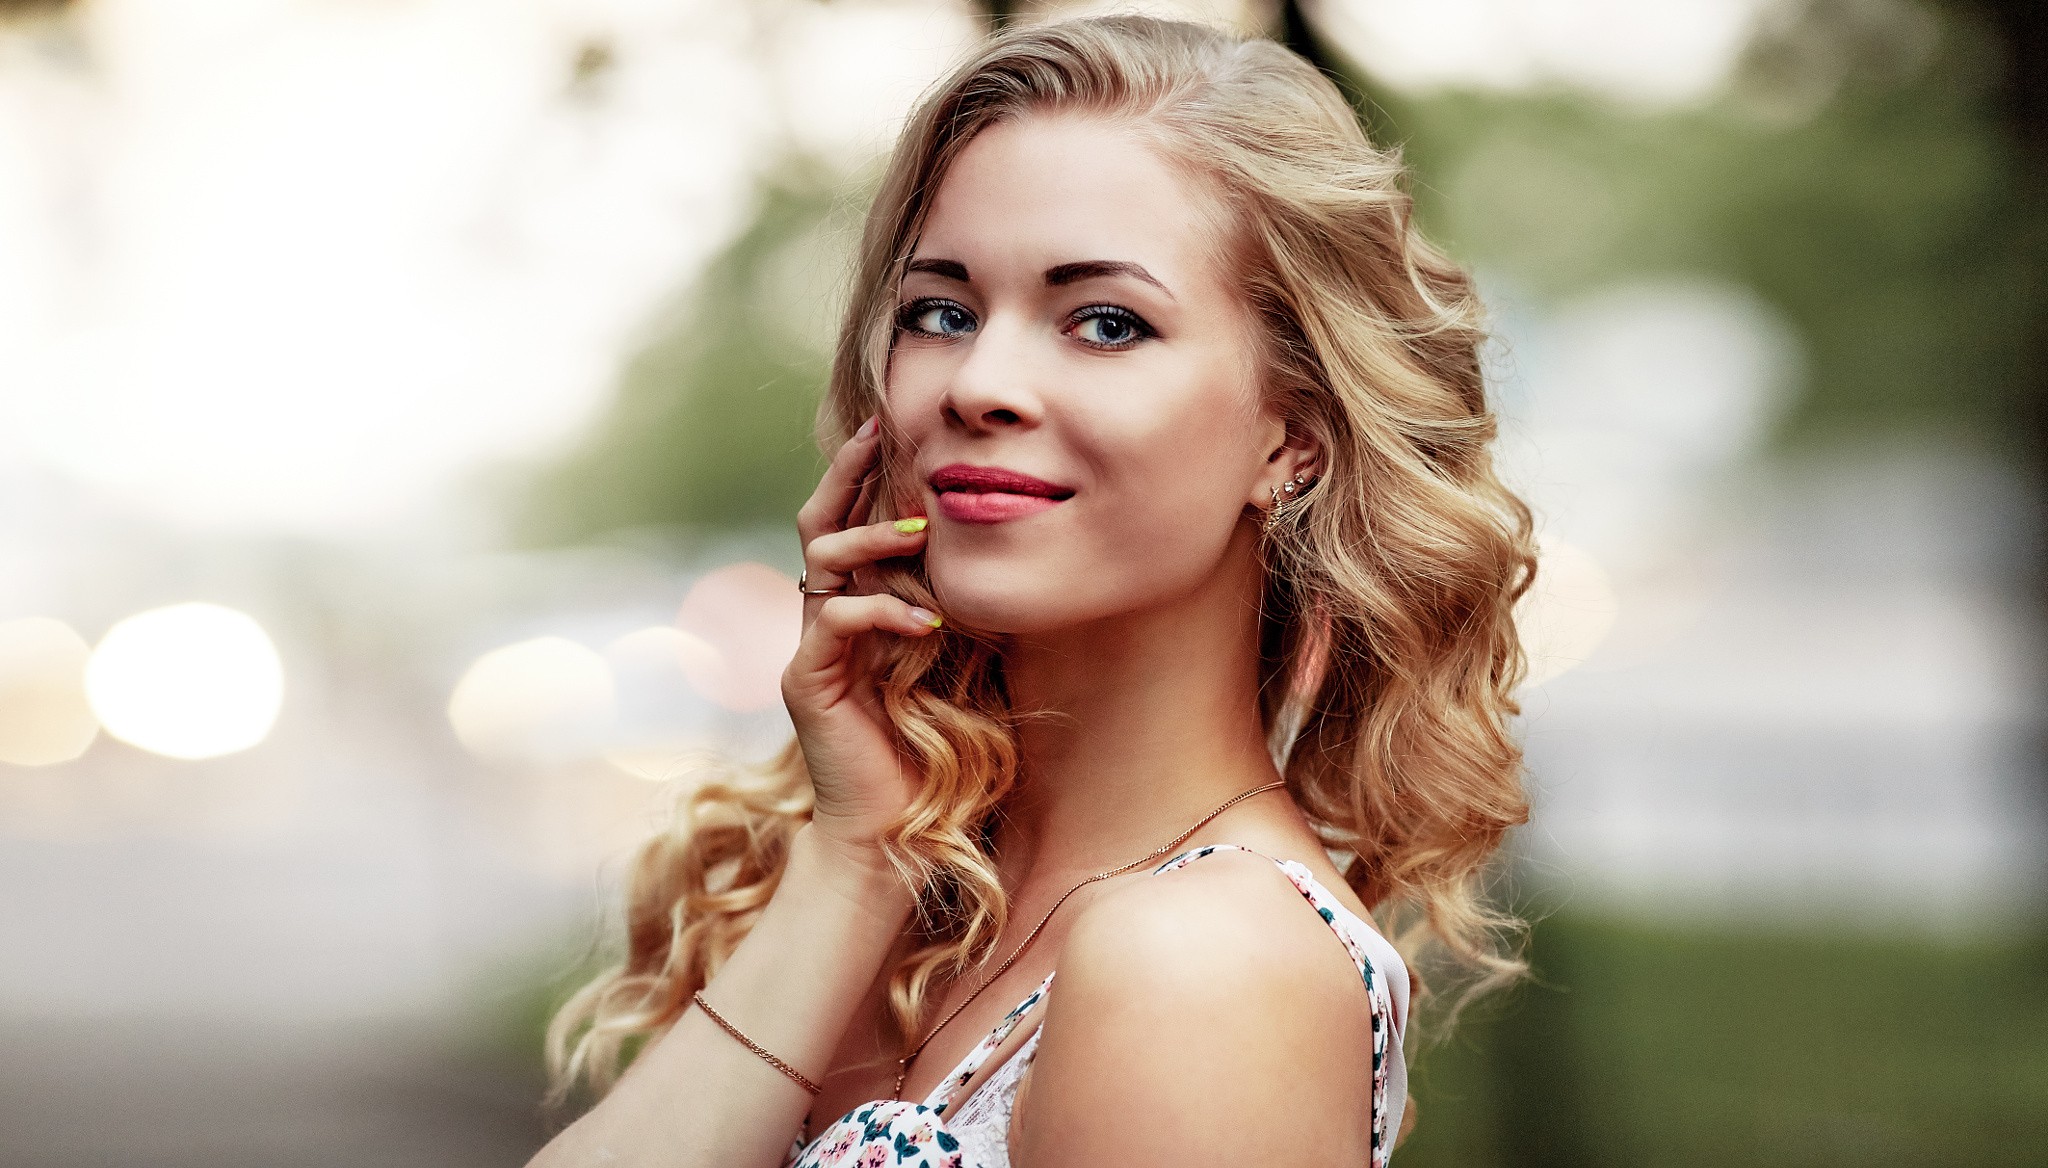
1035,597
1005,598
1006,607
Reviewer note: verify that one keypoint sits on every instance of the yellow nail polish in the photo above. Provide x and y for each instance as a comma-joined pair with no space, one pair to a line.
911,526
937,621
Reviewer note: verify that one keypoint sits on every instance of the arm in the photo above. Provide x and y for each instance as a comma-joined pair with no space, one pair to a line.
1201,1017
695,1096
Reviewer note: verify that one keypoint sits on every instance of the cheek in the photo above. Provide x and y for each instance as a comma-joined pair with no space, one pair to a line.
914,382
913,397
1192,450
1174,478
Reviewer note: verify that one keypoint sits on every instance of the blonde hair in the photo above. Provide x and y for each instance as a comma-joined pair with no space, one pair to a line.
1389,654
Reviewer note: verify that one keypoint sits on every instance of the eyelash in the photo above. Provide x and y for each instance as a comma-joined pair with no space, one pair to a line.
1139,328
907,315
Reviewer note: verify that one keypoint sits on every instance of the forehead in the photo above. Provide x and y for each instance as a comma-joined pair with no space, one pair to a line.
1050,188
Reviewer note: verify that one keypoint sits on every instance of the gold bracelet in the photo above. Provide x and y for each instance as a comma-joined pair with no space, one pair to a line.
795,1076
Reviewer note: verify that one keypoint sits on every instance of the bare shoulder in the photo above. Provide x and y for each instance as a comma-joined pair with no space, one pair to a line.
1230,920
1204,1015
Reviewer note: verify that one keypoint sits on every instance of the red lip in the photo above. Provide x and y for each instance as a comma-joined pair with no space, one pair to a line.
981,480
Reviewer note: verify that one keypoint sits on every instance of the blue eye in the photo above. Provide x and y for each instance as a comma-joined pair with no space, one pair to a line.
935,318
1105,326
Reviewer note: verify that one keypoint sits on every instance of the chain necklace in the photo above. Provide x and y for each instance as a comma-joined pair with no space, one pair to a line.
903,1064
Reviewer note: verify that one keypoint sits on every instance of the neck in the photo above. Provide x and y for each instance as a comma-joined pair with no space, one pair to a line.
1134,727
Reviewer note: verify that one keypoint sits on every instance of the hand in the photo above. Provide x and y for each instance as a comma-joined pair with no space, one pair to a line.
861,781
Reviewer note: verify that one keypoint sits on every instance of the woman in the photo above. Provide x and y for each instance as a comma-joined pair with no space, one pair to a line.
1160,584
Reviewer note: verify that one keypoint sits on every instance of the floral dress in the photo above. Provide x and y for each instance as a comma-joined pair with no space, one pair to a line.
947,1132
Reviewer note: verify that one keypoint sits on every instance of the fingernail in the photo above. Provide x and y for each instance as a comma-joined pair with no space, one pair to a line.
868,428
912,525
927,618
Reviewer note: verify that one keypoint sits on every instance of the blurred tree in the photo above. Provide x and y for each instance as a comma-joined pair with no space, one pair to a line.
2021,27
1857,176
10,9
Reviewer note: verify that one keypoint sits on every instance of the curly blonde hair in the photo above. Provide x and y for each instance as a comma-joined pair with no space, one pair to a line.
1388,644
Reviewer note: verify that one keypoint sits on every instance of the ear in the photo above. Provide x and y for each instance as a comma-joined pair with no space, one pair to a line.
1294,459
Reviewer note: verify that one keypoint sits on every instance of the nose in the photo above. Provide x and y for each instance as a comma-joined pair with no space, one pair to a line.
989,390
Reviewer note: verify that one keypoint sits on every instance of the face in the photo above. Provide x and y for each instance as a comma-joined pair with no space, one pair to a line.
1073,374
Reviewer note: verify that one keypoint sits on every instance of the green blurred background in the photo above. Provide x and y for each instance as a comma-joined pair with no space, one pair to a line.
1770,320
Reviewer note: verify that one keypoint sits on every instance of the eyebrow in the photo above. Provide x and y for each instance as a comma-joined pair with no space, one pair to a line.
950,269
1055,276
1096,269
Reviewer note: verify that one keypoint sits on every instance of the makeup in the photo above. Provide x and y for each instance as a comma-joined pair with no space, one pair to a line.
989,494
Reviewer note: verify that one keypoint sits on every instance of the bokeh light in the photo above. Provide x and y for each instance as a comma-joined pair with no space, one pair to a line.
44,715
753,616
547,700
188,681
1567,613
664,714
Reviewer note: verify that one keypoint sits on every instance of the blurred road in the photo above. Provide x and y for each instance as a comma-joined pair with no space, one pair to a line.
158,1095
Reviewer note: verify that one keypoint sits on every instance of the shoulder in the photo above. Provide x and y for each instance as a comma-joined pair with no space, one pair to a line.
1205,1014
1229,921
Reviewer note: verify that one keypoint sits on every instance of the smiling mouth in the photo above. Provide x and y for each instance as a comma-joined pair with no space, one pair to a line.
988,494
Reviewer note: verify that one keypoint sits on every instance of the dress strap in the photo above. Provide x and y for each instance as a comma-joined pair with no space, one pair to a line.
1371,953
1192,854
942,1095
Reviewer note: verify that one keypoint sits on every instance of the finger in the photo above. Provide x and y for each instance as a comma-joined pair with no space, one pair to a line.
827,508
845,552
840,619
863,508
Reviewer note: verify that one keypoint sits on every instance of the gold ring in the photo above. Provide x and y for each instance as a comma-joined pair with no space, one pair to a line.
803,585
